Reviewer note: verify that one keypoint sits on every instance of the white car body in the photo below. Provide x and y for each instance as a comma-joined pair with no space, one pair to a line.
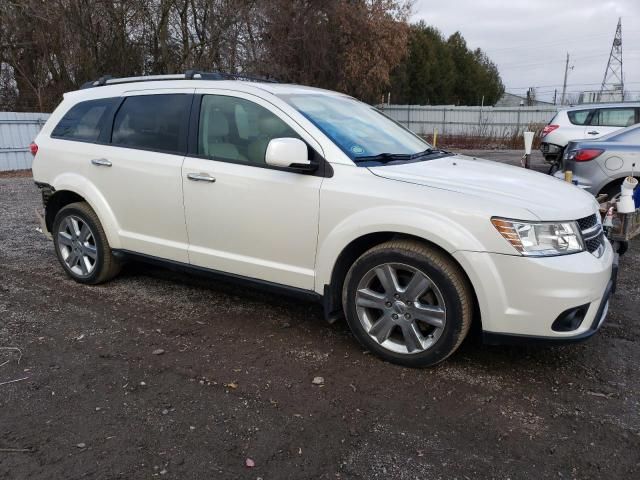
290,229
587,121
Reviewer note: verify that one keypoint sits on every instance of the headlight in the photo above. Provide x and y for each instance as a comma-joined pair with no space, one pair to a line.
540,239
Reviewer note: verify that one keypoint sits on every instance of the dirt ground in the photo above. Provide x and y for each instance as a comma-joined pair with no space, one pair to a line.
160,374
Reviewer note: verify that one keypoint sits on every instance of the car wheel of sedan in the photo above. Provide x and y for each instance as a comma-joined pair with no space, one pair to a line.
81,245
408,302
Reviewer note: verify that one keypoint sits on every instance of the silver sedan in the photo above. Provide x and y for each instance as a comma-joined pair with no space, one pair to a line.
600,165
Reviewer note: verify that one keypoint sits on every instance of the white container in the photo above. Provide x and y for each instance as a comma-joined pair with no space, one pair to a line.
626,203
528,142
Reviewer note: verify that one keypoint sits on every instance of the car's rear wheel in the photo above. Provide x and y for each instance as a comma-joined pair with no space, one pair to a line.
82,246
408,302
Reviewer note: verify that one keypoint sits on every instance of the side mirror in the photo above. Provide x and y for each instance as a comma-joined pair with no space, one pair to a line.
288,153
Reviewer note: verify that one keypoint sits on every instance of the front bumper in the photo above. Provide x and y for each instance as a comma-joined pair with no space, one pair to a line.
522,297
492,338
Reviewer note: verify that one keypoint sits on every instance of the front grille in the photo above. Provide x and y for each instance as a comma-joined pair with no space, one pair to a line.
587,222
591,233
594,243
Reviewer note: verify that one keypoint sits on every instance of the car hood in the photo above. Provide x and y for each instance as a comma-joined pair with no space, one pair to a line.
546,197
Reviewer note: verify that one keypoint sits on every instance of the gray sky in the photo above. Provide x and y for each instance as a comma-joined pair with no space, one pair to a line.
529,39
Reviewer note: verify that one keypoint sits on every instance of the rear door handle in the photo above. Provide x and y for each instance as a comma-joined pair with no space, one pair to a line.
200,177
593,132
101,162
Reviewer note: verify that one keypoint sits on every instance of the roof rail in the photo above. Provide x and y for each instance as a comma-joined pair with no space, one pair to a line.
188,75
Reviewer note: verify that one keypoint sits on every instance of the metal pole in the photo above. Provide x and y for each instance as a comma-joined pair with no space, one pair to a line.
564,85
444,119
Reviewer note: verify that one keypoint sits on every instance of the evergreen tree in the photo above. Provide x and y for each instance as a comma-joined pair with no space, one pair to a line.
438,71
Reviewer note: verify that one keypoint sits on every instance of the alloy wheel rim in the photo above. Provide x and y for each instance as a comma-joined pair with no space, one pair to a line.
400,308
77,246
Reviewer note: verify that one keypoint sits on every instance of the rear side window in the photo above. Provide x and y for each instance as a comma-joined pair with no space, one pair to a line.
153,122
614,117
84,120
579,117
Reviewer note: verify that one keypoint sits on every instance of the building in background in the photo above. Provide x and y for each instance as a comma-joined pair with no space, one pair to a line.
513,100
607,96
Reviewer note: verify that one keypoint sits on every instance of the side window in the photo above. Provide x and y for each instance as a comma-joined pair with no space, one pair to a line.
614,117
579,117
84,120
153,122
237,130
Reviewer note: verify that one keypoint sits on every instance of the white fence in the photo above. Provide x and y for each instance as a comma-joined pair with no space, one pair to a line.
480,121
17,131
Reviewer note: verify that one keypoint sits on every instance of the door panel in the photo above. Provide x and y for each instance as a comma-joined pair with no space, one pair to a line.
144,191
140,172
253,220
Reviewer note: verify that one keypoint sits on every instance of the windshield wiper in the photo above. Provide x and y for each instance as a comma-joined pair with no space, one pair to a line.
392,157
430,151
383,157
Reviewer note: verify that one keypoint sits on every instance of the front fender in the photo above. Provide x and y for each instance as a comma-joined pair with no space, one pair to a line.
80,185
433,227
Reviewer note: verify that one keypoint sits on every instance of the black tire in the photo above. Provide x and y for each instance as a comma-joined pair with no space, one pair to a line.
105,265
553,168
451,284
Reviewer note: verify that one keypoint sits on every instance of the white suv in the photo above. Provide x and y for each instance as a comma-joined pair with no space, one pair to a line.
314,193
585,122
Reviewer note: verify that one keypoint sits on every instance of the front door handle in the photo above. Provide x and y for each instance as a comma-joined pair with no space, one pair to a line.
200,177
101,162
593,132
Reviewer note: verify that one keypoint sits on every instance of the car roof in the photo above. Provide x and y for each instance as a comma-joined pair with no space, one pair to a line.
116,89
588,106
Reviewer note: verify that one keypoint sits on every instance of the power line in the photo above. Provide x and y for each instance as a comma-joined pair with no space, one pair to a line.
527,46
568,85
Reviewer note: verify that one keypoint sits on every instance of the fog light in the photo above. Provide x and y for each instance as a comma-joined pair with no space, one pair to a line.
571,319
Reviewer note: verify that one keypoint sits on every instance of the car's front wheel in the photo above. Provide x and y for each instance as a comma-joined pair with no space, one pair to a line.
408,302
82,246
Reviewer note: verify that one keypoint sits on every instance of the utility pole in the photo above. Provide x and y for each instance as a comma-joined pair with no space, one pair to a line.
555,96
613,74
564,85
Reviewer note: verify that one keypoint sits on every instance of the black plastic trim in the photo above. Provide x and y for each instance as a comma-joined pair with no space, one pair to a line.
46,190
493,338
264,285
580,310
332,309
188,75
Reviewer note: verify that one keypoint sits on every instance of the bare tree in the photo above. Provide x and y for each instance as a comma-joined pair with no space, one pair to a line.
349,45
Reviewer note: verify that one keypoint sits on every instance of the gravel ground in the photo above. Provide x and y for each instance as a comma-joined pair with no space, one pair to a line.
160,374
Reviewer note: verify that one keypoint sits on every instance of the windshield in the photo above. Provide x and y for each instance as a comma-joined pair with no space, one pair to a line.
360,130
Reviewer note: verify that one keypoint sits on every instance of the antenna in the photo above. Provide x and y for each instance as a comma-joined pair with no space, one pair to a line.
613,81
